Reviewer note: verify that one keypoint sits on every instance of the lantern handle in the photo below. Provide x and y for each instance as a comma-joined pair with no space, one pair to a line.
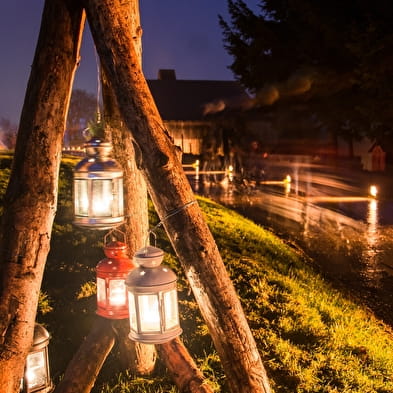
151,232
113,236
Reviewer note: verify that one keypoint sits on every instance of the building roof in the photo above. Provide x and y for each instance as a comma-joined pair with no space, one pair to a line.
192,100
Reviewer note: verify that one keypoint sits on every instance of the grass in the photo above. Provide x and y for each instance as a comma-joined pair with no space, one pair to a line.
310,336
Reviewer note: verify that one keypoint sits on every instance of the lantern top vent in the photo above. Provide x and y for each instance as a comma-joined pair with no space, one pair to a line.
149,256
41,337
150,273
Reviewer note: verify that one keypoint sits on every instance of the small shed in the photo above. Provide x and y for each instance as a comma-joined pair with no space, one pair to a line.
375,159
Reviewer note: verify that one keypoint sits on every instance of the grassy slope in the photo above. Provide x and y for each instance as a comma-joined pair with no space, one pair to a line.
310,337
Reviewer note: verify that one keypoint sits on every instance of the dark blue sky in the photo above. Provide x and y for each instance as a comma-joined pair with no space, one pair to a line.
179,34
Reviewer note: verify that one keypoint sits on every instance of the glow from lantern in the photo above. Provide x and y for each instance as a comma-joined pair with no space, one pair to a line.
149,313
81,198
117,293
36,374
101,290
171,311
102,198
132,312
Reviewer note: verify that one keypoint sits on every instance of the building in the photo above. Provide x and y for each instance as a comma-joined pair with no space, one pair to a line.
188,109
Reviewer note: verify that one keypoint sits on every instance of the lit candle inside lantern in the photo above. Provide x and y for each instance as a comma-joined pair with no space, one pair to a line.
117,293
150,317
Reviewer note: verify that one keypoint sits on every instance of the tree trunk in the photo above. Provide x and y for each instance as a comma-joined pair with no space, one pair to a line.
182,367
31,197
140,358
171,192
86,364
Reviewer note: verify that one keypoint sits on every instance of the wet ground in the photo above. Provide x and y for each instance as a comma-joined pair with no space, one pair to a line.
350,238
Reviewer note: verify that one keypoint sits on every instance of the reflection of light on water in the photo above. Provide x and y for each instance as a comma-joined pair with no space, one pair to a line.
370,253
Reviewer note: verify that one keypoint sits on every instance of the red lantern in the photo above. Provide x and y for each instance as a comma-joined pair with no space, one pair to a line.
112,300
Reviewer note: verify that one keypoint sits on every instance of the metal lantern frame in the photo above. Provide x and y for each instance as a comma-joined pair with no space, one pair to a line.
37,372
98,188
112,299
152,299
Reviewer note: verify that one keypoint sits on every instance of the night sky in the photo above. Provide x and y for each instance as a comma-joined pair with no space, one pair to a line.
178,34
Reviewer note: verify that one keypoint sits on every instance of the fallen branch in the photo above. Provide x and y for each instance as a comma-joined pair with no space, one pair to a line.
86,364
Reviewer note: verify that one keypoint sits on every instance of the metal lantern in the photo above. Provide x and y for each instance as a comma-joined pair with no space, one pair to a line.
98,188
111,272
152,299
37,374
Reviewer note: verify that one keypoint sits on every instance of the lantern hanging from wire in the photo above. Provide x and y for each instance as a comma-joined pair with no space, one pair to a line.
112,300
98,188
152,299
37,374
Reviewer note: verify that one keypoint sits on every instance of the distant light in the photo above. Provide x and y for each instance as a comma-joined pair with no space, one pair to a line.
288,179
373,191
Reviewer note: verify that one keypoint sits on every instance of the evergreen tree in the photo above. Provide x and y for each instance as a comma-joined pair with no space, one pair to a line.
316,50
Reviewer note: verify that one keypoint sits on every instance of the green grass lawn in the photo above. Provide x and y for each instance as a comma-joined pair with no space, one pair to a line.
310,336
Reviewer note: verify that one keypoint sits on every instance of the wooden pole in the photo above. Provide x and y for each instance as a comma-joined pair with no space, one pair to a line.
184,372
171,192
140,358
31,197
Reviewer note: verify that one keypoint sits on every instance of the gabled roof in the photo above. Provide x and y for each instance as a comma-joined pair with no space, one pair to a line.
193,99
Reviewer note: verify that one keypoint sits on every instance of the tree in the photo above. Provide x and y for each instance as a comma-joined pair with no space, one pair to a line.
82,111
308,51
31,196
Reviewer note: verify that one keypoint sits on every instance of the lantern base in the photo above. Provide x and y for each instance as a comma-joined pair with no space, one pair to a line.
98,223
44,389
155,338
112,314
48,389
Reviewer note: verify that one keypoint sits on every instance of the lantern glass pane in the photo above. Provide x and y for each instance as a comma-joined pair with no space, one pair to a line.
118,208
132,312
81,197
171,311
149,312
117,293
36,371
102,198
101,291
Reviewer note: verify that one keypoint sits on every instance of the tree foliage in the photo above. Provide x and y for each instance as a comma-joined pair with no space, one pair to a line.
316,50
8,133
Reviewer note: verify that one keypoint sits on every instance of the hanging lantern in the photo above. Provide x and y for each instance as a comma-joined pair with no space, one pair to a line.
37,375
98,188
111,272
152,299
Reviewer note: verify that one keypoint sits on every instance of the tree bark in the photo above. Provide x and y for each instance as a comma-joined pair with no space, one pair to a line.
171,192
86,364
140,358
31,197
182,368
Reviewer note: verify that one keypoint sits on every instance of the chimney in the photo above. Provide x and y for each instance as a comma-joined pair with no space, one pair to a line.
167,75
